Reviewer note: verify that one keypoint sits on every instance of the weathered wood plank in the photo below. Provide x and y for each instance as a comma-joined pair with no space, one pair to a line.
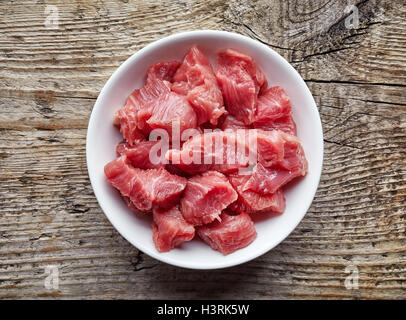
49,80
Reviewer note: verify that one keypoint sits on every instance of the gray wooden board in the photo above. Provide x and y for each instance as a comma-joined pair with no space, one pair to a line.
50,78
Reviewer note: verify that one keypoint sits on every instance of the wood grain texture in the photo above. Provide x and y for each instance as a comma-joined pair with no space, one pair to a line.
49,79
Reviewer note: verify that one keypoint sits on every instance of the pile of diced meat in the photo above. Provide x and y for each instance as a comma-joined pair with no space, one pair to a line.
168,165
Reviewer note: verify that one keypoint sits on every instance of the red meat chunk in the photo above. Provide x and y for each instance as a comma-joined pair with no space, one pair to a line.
269,180
163,70
139,154
274,111
145,188
277,148
131,119
231,123
240,81
274,170
269,146
221,151
285,124
272,104
120,175
168,109
293,155
253,202
170,229
232,233
205,197
196,80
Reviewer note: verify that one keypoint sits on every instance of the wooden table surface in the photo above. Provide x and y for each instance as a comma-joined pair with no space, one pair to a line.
51,74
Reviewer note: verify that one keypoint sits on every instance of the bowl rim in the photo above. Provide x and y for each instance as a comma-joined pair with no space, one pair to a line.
117,73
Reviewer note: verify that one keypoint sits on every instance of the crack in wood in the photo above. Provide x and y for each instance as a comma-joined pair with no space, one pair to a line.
327,52
139,260
342,144
257,37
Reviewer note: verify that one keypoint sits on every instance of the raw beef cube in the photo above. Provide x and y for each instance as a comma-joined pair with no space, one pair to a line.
131,119
171,109
254,202
159,187
120,175
145,188
239,94
268,180
234,58
163,70
232,123
271,146
274,111
140,155
223,151
170,229
196,80
280,159
205,197
240,81
267,146
293,155
126,120
192,72
279,148
232,233
207,101
285,124
272,104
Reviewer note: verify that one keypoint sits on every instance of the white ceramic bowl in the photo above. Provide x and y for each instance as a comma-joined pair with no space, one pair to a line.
102,138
